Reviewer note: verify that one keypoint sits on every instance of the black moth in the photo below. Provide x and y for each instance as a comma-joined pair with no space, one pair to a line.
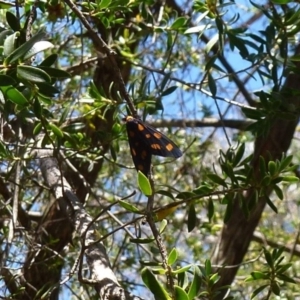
144,141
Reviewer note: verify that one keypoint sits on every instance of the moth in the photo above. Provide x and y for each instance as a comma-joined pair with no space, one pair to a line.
145,141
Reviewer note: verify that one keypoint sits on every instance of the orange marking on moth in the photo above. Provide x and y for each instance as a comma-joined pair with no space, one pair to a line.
169,147
140,167
141,127
144,154
148,135
157,135
156,146
133,152
131,133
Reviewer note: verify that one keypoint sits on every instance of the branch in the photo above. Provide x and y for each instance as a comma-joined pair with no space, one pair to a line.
206,122
104,279
259,238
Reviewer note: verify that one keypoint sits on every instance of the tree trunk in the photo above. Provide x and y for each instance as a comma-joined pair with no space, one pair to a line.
237,233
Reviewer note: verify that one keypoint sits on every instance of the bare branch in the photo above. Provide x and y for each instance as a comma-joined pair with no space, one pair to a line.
102,275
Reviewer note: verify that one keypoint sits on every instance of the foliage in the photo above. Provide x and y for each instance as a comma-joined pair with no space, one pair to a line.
214,76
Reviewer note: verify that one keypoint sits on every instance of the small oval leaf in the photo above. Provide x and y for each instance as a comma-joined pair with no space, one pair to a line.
172,256
33,74
38,47
153,285
56,130
180,293
192,218
14,95
9,43
23,49
37,129
6,80
144,184
129,206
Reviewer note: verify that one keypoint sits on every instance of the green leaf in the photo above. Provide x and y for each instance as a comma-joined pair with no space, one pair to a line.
252,114
164,81
64,115
142,241
74,127
13,21
47,89
129,207
154,286
203,190
150,263
37,129
266,181
22,50
172,258
281,2
286,278
159,271
56,130
214,278
220,26
3,150
258,290
268,258
275,288
272,168
216,179
49,61
212,85
207,267
283,268
180,293
271,204
238,43
196,284
32,74
104,4
290,179
37,48
14,95
164,212
168,91
2,98
276,255
6,80
285,162
9,43
6,5
4,34
256,275
278,192
113,153
210,45
144,184
181,270
37,109
210,209
239,155
165,193
55,73
162,226
197,29
179,23
185,195
192,218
